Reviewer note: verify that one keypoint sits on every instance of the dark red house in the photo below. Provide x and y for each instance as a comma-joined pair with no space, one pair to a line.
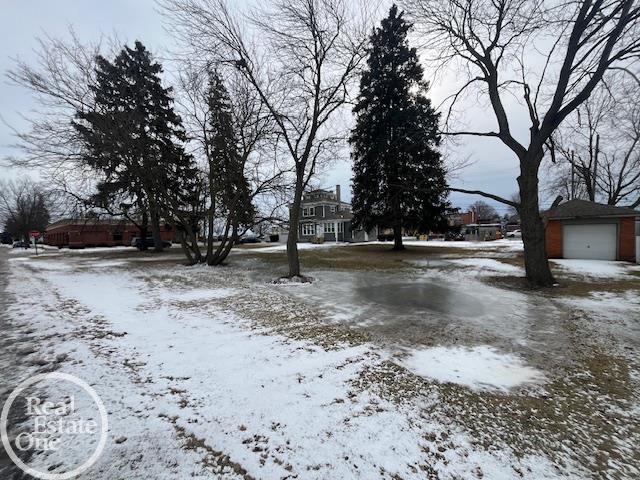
81,233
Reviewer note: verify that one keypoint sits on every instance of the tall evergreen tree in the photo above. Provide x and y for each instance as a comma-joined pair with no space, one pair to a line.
399,179
134,139
228,186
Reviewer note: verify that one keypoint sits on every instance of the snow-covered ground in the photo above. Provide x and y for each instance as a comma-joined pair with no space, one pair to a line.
597,269
207,373
481,367
282,247
506,244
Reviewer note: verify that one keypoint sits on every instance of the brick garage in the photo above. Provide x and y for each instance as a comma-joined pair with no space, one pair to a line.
589,230
81,233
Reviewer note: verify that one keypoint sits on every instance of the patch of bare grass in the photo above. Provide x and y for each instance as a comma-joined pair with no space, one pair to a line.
363,257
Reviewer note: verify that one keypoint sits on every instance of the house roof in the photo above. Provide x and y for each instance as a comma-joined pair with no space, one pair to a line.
586,209
319,190
89,221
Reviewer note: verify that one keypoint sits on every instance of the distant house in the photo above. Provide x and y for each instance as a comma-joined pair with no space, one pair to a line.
482,231
589,230
93,232
460,219
325,217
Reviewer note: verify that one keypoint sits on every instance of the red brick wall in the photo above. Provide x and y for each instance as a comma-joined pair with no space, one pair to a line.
553,239
627,239
97,235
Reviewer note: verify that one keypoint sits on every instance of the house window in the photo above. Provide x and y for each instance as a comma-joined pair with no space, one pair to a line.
329,228
308,229
309,212
333,209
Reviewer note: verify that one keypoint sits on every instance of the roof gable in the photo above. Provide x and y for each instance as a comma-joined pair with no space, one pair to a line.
586,209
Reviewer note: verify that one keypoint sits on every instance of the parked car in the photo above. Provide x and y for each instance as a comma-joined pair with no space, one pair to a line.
385,237
6,239
150,243
21,244
250,239
514,234
453,237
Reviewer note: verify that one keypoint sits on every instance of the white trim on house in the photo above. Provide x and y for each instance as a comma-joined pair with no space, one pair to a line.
308,229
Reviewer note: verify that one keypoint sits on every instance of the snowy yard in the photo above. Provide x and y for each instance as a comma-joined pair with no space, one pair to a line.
426,364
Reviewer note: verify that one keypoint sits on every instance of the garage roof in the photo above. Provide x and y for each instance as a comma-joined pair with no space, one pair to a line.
587,209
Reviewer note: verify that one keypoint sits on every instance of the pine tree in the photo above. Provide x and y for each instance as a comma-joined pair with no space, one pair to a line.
399,179
134,139
228,186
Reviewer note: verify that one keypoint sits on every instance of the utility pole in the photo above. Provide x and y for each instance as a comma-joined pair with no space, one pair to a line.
573,176
595,168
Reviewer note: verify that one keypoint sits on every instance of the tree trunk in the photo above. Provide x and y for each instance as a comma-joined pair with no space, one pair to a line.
189,243
187,250
294,221
210,238
224,253
535,253
144,231
212,259
397,238
397,227
155,228
211,215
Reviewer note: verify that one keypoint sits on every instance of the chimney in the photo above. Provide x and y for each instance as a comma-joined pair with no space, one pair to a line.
338,197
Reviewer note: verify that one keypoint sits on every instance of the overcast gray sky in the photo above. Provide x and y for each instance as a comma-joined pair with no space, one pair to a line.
494,168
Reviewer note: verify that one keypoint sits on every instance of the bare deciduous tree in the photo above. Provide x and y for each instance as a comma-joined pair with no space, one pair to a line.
302,69
549,55
24,207
483,211
598,147
253,128
60,80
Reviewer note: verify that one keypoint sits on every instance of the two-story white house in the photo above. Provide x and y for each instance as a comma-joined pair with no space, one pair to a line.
325,217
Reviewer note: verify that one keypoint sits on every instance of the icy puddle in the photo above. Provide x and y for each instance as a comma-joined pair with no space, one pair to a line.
479,368
424,296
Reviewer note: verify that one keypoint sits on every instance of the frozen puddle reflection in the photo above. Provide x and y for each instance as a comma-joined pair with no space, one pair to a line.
479,368
445,298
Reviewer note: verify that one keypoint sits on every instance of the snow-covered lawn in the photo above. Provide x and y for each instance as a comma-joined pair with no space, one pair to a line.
282,247
514,245
210,373
597,269
480,367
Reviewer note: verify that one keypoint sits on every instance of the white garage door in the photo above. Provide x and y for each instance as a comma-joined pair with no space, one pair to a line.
595,241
